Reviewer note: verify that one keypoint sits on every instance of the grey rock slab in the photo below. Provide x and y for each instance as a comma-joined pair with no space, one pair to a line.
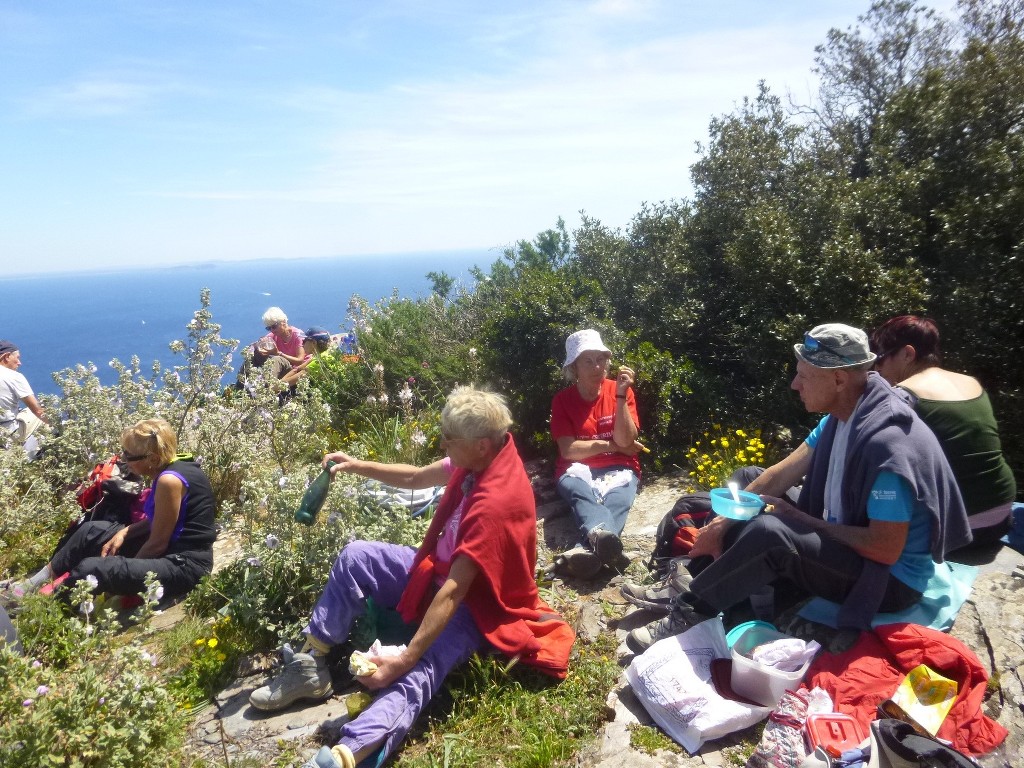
238,717
590,622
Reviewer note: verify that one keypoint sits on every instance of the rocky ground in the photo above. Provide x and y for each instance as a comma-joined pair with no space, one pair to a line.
991,623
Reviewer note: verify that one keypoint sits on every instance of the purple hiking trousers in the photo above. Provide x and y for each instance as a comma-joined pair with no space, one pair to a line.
381,571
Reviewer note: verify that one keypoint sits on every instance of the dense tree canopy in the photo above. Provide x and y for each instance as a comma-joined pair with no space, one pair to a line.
898,190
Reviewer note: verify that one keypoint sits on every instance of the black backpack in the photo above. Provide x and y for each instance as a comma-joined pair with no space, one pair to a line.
110,493
678,530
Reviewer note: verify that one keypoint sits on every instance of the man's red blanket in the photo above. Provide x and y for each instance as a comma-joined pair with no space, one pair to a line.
859,679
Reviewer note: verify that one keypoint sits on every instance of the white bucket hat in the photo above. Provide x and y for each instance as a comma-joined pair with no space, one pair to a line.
580,342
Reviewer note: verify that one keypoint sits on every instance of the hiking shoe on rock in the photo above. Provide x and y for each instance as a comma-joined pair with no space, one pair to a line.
302,677
580,562
338,757
655,597
606,545
678,621
661,595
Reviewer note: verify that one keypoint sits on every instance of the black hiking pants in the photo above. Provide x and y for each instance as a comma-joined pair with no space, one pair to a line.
124,574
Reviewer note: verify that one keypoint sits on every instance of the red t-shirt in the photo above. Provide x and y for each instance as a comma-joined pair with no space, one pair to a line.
572,416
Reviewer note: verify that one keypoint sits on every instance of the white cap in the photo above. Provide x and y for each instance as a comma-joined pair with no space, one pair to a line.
580,342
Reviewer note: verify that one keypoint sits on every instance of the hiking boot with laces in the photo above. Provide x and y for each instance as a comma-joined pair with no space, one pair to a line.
605,544
678,621
661,595
303,676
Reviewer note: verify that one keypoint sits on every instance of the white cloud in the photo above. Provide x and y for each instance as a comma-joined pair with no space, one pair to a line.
98,96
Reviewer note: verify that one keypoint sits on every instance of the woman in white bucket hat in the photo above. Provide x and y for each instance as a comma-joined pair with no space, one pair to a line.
595,424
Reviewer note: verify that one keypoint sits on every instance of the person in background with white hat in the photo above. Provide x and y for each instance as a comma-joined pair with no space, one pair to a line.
879,505
595,425
15,391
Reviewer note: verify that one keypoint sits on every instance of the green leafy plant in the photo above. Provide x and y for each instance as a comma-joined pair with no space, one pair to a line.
82,694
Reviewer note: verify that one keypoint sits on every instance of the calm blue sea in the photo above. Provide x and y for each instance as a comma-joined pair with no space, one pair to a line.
64,319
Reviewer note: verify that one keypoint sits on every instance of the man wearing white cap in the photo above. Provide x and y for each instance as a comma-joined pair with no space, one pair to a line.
595,424
878,508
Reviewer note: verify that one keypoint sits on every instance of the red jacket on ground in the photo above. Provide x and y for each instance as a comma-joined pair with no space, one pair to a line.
864,676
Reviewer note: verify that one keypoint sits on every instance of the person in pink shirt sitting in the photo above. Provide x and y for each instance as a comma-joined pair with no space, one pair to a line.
287,338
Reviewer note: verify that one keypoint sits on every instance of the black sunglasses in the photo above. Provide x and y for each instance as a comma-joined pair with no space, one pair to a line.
133,456
812,344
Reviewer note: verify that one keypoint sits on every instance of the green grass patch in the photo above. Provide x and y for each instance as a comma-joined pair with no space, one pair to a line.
649,739
491,713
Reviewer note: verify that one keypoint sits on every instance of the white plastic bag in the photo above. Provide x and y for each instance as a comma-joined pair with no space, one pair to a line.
672,679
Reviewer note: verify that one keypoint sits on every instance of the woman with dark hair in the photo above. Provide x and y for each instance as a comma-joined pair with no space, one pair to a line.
957,409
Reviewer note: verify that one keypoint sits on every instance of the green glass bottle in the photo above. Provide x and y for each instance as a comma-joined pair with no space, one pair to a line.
314,497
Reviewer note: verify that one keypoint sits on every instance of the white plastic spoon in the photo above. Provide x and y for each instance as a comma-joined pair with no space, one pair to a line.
734,489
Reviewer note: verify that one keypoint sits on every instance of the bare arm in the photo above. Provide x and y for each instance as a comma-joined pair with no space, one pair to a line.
440,612
296,372
168,494
624,433
33,405
880,540
577,450
780,477
398,475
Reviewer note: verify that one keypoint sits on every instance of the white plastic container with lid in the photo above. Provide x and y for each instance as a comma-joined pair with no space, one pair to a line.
758,682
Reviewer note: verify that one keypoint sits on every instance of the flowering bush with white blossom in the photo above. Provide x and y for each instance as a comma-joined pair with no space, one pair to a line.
82,694
269,591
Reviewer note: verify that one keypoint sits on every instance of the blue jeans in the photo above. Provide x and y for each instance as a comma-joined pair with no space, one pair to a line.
381,571
591,512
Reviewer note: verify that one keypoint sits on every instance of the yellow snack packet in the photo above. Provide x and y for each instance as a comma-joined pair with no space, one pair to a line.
926,696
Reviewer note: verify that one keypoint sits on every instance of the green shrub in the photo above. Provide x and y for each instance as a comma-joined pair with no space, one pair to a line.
82,694
270,590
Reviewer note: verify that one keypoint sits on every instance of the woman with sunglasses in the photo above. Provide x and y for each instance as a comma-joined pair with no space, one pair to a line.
957,409
174,539
287,338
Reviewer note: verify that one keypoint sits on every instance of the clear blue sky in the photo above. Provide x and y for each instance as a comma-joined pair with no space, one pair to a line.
143,133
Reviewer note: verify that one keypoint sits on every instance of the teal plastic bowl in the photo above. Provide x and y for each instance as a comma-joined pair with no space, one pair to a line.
736,632
723,504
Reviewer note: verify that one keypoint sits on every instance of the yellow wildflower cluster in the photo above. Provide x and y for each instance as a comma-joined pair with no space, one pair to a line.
208,645
721,452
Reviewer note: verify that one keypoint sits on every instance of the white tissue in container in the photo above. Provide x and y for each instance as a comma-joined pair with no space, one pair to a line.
760,682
